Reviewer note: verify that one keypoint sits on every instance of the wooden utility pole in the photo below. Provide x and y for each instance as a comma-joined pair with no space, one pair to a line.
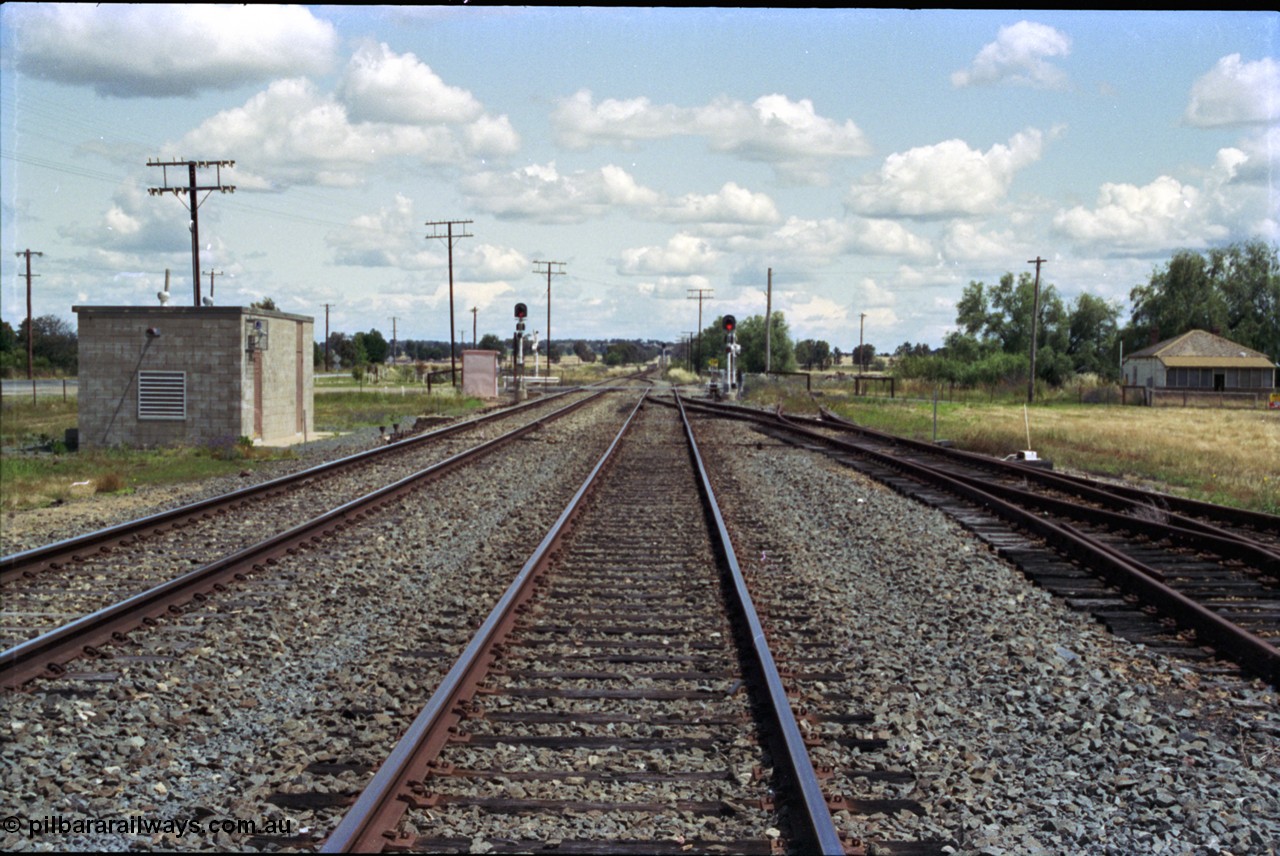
31,329
548,272
450,238
474,310
862,320
328,367
699,294
1035,325
393,340
768,327
211,275
192,204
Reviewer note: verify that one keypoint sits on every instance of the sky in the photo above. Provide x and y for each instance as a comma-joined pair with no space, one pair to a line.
868,163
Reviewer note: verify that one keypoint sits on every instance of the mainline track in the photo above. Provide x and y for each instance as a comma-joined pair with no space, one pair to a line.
1168,580
610,701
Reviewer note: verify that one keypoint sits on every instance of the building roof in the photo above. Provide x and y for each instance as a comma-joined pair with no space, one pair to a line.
1201,349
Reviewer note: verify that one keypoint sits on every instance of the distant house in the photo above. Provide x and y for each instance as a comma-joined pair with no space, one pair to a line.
1200,361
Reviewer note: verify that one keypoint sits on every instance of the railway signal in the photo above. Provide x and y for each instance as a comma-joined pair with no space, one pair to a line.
517,344
731,350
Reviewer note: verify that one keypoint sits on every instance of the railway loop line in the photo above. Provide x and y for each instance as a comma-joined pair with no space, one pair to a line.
1205,587
101,602
616,698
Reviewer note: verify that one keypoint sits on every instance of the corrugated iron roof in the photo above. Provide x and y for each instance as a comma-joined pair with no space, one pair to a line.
1203,349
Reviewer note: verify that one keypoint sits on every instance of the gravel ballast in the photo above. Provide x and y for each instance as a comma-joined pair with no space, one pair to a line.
1031,729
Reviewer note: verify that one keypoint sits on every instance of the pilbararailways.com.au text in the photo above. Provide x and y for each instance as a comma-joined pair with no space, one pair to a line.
59,825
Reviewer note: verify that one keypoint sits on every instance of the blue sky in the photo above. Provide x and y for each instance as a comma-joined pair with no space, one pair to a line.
876,160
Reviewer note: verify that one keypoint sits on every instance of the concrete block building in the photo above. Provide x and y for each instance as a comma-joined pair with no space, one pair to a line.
169,375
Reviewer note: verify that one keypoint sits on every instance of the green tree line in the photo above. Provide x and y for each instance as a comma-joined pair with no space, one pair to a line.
1232,291
55,348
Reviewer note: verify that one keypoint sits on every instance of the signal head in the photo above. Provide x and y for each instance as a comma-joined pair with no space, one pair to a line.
522,311
730,323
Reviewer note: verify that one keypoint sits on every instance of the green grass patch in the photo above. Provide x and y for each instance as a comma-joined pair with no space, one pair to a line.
37,470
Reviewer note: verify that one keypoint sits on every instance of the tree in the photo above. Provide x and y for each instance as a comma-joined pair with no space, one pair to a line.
493,342
623,353
1092,333
750,335
265,303
863,355
349,349
55,346
811,352
374,346
584,352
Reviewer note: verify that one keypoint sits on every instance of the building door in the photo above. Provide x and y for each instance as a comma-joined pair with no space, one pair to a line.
257,394
1219,382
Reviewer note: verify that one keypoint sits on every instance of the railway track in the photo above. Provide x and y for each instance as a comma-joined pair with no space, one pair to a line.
621,697
1206,588
101,603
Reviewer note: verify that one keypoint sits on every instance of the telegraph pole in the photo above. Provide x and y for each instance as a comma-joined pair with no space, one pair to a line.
862,320
450,238
31,329
393,340
327,366
549,271
768,327
474,309
1035,323
699,294
193,206
211,275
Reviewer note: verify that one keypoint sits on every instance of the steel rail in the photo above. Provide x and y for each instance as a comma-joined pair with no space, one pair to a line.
1247,648
16,564
1186,530
379,807
46,654
1178,508
816,814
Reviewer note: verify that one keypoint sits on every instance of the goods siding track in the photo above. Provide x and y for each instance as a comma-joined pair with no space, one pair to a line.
45,587
1190,578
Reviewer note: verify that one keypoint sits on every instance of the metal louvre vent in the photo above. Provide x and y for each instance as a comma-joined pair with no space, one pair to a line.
162,395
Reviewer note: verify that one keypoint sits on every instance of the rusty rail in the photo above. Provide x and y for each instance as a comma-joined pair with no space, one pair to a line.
46,654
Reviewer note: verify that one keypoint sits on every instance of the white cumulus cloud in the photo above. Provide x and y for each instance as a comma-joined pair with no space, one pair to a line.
1129,219
774,129
945,178
168,50
1019,55
1235,92
682,254
382,86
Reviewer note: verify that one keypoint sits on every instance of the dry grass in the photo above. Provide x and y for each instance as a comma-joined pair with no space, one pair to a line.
1224,456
